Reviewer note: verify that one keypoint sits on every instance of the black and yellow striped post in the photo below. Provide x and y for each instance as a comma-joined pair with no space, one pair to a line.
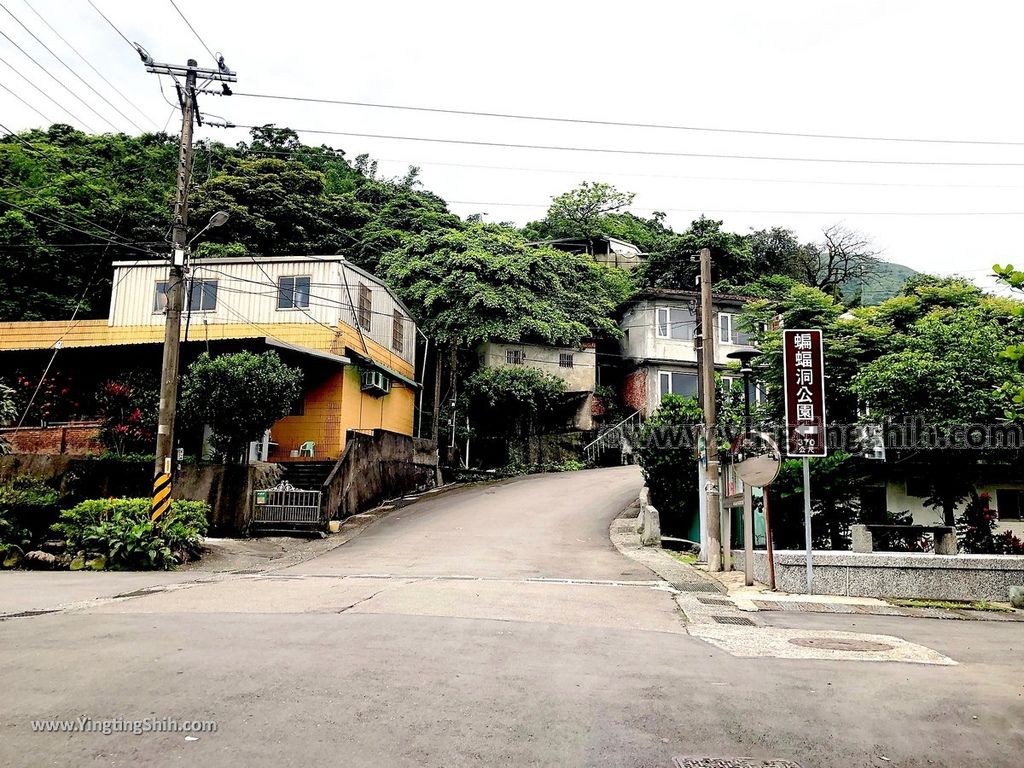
161,495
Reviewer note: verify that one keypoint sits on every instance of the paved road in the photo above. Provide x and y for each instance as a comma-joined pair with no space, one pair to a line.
382,653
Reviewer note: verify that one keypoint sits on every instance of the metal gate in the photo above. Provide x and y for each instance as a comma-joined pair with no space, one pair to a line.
284,504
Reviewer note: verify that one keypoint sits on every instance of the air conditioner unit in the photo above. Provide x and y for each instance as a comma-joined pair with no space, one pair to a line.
375,382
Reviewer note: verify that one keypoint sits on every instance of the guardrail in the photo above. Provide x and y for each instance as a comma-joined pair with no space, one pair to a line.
613,437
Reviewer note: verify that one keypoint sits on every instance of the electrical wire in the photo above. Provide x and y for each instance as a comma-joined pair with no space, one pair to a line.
24,77
189,24
112,25
89,64
73,72
650,152
57,80
26,104
624,124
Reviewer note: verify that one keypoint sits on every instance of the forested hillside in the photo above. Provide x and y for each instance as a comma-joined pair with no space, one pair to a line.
72,203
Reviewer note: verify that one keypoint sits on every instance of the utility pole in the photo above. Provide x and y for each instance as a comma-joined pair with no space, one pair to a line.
711,488
179,257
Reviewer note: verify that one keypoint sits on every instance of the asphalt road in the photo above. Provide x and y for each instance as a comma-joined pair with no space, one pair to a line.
461,631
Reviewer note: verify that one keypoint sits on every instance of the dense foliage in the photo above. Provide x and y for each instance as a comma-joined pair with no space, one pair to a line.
27,507
127,408
485,282
513,401
239,396
118,534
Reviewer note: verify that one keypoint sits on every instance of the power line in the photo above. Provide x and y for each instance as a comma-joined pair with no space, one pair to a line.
624,124
73,72
57,81
189,24
779,213
77,229
60,106
630,174
652,153
112,25
26,103
88,63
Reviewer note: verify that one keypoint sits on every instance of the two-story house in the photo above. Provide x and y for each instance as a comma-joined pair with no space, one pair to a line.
353,338
657,345
576,366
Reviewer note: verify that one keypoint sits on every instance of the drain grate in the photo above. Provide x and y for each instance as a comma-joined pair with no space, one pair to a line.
740,621
712,600
730,762
699,586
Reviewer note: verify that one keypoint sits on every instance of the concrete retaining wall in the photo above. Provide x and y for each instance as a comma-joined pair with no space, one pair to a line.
377,467
892,574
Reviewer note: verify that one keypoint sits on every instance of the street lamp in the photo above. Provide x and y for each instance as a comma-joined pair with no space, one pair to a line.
219,219
745,355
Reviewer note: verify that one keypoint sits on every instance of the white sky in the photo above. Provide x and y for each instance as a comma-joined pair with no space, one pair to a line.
923,69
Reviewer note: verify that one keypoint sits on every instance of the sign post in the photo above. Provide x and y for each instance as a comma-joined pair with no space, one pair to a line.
804,387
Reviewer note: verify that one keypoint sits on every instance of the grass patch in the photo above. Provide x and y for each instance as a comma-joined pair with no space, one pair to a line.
683,557
962,605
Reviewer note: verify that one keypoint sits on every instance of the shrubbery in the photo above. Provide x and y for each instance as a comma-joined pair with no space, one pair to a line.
118,534
27,508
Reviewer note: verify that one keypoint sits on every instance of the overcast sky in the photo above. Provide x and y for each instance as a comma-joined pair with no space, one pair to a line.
935,70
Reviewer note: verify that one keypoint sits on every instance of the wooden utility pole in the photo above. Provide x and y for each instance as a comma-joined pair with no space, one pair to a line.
706,361
179,256
176,283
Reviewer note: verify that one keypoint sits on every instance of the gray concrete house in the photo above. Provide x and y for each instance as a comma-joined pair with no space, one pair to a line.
576,366
657,347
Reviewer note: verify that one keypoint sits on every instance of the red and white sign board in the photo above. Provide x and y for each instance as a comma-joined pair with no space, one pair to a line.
803,372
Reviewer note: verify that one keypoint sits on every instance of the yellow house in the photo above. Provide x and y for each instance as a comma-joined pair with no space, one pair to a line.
352,336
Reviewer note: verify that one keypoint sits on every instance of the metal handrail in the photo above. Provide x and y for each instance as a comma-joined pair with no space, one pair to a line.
590,448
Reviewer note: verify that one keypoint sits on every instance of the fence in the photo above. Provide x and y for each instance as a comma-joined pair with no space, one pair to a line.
286,505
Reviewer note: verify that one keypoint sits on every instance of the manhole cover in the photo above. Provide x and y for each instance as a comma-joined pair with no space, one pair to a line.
741,621
730,762
838,644
712,600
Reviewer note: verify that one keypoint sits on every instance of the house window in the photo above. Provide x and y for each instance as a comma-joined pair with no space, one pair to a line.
365,310
203,295
675,323
293,293
397,331
725,328
565,359
677,383
1010,504
514,356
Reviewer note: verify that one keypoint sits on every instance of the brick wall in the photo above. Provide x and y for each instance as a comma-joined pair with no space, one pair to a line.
634,390
76,440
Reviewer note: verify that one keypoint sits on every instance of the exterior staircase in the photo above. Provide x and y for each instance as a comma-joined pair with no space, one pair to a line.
614,444
308,475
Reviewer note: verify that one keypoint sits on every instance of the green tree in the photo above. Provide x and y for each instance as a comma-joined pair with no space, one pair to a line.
239,396
128,409
513,401
667,457
674,264
582,212
484,282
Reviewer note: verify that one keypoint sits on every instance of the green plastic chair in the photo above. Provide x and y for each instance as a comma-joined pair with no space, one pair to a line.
306,449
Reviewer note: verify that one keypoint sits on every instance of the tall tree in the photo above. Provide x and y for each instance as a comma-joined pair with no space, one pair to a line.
581,212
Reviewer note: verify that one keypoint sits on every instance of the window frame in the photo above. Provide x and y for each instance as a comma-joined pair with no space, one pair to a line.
281,292
364,308
1018,513
190,288
398,331
729,338
668,373
515,357
566,360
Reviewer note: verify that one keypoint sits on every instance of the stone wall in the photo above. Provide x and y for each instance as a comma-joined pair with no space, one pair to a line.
377,467
228,489
70,440
894,574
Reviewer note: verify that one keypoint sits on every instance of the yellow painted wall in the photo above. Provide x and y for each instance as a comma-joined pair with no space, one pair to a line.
330,409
